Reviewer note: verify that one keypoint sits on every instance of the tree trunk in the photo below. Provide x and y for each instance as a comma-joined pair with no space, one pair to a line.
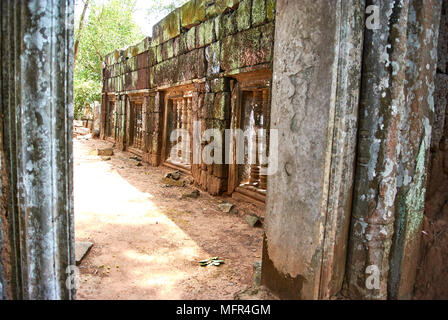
81,23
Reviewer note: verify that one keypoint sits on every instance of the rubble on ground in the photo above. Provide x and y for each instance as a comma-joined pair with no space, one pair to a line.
225,207
173,179
105,152
193,195
253,220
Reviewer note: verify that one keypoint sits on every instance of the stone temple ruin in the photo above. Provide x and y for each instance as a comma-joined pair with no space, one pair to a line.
207,63
358,208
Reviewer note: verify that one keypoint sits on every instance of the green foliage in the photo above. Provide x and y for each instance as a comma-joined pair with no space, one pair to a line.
109,25
85,93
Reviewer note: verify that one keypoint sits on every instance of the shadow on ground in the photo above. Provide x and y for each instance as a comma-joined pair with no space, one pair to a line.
148,241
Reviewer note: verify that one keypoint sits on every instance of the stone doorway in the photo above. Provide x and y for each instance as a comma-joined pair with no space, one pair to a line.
250,113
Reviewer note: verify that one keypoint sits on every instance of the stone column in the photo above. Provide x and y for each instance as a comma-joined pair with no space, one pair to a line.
36,241
157,118
104,114
316,81
144,123
416,132
128,136
123,119
394,138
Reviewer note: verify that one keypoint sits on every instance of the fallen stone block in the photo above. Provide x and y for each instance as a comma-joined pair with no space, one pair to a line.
172,182
82,130
174,175
225,207
253,221
107,152
193,195
81,250
136,163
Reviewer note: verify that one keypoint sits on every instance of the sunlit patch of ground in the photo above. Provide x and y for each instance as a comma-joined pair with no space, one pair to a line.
147,242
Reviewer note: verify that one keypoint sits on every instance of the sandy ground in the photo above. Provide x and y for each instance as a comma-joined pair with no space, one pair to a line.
147,241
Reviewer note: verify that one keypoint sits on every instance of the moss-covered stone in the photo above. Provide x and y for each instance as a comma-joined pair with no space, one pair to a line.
216,7
191,66
176,43
152,52
229,24
258,12
159,57
191,39
213,57
270,9
165,73
206,33
130,65
244,15
221,106
230,53
217,107
225,42
156,35
218,27
207,110
201,63
267,41
168,50
182,43
192,13
169,27
248,48
219,85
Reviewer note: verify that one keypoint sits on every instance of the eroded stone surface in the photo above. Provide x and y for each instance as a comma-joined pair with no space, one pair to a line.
305,204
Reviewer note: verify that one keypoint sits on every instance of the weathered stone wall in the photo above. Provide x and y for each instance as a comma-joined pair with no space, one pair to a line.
200,47
432,276
127,70
334,216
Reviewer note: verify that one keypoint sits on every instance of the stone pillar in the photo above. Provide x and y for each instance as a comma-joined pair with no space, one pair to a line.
316,81
157,138
128,134
104,115
144,123
123,109
394,139
36,227
416,132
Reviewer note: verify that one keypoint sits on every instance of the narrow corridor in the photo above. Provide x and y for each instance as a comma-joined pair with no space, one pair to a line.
148,241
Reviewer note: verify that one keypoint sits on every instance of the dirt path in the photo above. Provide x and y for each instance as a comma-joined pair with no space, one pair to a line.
147,241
